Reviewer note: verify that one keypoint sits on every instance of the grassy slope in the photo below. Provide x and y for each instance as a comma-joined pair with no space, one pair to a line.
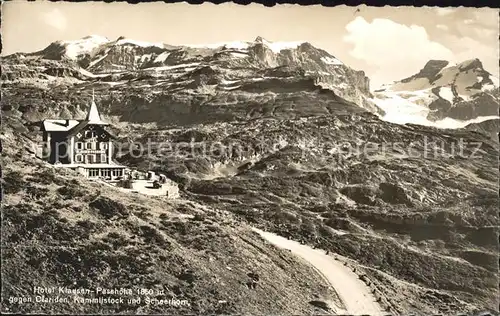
61,230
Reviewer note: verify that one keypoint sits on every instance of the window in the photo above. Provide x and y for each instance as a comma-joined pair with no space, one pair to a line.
91,159
90,134
88,145
79,158
103,158
103,146
79,145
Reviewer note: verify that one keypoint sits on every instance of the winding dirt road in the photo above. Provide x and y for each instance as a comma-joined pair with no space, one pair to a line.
354,293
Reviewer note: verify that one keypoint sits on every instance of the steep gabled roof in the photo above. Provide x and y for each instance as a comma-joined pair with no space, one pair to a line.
74,126
82,126
78,128
93,116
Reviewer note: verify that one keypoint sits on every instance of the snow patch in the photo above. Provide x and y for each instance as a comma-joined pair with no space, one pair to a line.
228,82
230,88
143,58
465,97
276,47
331,61
190,68
343,85
403,110
89,74
172,67
446,93
495,80
490,86
239,55
111,83
126,41
263,78
119,66
97,60
162,57
163,83
319,72
235,45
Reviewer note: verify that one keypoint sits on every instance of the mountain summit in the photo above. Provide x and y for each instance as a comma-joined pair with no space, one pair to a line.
464,91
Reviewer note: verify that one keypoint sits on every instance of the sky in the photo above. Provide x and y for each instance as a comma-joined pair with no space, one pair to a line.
388,43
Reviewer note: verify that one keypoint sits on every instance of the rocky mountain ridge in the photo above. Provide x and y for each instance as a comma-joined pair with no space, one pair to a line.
189,83
199,79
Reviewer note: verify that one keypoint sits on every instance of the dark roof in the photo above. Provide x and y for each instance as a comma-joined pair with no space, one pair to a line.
82,125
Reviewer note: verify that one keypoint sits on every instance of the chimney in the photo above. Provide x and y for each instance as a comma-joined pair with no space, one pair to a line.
66,123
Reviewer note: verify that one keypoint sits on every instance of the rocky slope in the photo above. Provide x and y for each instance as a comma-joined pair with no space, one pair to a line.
463,92
254,137
488,127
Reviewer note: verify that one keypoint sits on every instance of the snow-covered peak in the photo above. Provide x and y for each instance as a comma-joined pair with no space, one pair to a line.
441,93
127,41
468,77
235,45
94,39
276,47
82,46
